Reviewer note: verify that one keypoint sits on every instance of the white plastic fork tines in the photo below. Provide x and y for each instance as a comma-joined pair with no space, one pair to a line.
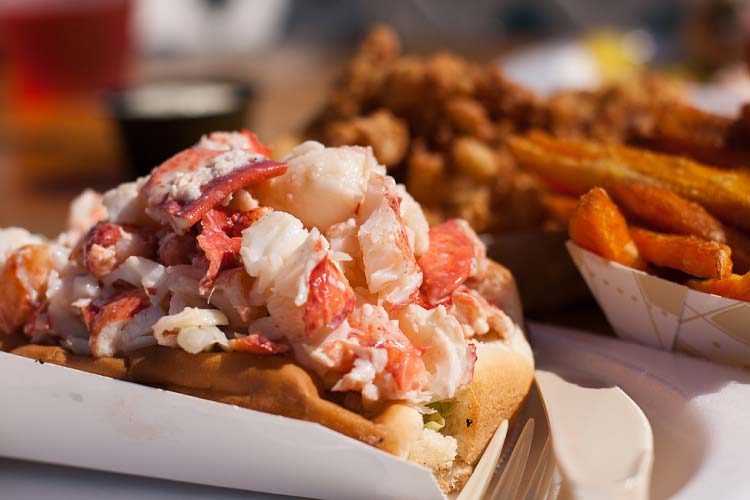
602,440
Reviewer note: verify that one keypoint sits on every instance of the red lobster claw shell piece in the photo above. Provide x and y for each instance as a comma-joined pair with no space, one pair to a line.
182,189
448,262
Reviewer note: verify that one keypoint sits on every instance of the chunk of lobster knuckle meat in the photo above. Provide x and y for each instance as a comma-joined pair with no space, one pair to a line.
143,273
383,187
23,283
455,254
374,357
291,290
477,316
193,329
67,289
231,295
322,186
390,266
184,188
448,356
415,222
266,246
220,239
108,245
106,319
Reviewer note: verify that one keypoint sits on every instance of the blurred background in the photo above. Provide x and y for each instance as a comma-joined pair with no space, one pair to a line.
94,92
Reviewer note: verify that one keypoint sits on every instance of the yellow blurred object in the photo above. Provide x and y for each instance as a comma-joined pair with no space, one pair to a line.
619,55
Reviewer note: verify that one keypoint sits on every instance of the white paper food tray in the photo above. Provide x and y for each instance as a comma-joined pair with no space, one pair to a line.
64,416
667,315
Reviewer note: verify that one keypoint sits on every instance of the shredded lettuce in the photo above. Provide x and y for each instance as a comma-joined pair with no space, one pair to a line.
436,420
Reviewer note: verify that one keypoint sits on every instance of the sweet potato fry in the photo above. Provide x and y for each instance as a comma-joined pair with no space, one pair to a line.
666,211
686,131
689,254
736,286
597,225
559,207
577,166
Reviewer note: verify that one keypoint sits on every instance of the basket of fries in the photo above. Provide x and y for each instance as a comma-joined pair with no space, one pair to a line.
660,240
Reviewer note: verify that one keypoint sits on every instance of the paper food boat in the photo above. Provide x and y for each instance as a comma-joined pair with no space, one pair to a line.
63,416
667,315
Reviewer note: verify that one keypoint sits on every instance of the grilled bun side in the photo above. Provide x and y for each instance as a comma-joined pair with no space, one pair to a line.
109,367
502,378
272,384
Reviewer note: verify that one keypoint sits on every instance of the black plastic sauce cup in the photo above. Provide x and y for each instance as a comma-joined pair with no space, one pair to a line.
157,120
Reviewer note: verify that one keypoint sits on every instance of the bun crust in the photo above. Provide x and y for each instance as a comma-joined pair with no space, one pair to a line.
272,384
109,367
502,378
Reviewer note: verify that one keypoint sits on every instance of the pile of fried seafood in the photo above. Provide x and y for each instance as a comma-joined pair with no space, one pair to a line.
446,126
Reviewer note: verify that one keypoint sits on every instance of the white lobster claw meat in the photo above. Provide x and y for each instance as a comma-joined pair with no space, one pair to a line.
322,186
389,263
266,245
